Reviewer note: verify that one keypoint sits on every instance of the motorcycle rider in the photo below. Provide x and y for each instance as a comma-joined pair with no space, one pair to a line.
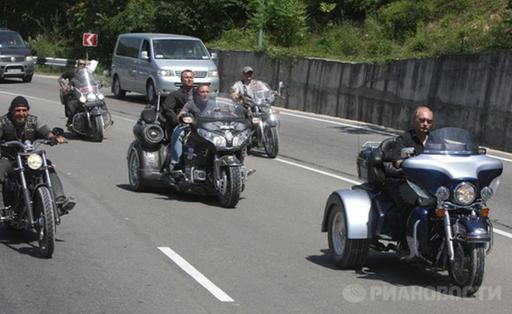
190,109
18,124
241,90
396,187
65,83
174,103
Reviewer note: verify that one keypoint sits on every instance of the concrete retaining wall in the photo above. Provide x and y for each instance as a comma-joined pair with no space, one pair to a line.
469,91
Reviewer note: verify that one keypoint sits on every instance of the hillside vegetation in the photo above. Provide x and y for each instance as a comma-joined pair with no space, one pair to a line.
355,30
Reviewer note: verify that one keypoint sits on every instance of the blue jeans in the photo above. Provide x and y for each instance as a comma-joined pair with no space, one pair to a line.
176,145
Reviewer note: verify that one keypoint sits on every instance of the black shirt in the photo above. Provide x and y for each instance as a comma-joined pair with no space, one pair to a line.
173,105
409,139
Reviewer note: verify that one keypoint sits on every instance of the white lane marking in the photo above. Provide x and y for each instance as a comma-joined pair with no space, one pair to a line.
55,102
498,231
338,123
318,171
194,273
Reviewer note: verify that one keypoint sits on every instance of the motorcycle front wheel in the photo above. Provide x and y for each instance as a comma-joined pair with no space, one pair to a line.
230,186
99,126
271,141
346,253
467,269
44,215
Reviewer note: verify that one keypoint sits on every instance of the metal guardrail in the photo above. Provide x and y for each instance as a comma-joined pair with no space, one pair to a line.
55,61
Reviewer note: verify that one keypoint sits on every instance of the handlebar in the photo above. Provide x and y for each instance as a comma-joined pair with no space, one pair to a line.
30,145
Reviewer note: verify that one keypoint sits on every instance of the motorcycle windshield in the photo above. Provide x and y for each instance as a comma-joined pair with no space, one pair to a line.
222,109
85,81
450,141
261,93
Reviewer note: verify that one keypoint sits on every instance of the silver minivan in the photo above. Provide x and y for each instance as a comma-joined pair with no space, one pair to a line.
151,64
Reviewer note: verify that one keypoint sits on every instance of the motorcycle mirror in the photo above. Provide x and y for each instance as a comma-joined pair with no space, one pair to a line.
58,131
406,152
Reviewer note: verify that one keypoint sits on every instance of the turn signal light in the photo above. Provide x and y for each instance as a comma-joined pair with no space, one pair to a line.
484,212
440,212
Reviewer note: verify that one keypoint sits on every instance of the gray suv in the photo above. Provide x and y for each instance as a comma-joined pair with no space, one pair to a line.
15,57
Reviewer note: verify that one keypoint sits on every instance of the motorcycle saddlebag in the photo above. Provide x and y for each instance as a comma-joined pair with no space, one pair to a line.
150,135
369,164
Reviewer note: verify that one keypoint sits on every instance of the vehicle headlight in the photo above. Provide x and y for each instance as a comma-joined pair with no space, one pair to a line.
101,96
29,58
82,99
240,138
166,73
34,161
215,139
442,193
464,193
91,97
486,193
213,73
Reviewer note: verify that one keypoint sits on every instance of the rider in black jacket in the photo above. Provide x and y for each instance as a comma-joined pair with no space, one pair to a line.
17,124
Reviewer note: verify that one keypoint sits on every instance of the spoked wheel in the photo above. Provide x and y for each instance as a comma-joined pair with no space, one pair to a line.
346,253
133,171
44,214
271,141
467,269
99,126
230,186
116,89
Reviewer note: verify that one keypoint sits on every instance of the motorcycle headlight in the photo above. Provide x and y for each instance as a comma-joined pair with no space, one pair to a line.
213,73
240,138
82,99
101,96
91,97
464,193
217,140
486,193
256,120
34,161
442,193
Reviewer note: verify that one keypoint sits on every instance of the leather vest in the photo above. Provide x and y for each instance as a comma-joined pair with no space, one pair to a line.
29,131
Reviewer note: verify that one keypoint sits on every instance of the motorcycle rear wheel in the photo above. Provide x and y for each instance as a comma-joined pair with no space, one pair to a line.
134,178
467,269
271,141
346,253
99,126
44,215
231,187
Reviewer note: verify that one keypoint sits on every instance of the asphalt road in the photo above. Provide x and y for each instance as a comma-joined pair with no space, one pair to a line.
161,252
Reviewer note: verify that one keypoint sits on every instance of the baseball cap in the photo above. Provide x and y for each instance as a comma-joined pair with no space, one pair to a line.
247,69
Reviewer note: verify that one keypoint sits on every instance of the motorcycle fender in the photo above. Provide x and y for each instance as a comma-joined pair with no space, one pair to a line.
357,206
228,161
272,122
150,160
473,229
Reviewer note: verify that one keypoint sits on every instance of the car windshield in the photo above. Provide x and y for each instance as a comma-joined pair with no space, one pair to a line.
179,49
450,141
222,109
11,40
85,80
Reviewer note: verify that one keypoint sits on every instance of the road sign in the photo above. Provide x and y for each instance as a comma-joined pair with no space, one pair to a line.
90,40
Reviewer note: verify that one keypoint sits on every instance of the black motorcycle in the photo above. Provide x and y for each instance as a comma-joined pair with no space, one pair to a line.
449,229
213,153
28,194
92,117
265,123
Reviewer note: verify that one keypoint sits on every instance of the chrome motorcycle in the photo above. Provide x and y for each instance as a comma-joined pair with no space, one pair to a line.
92,117
449,230
265,123
29,198
212,153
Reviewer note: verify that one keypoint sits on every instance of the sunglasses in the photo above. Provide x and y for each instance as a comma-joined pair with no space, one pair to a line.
81,64
423,120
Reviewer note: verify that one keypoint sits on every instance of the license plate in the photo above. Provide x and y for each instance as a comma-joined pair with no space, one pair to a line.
13,71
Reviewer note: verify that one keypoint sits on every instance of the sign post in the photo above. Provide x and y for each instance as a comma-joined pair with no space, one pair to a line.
89,40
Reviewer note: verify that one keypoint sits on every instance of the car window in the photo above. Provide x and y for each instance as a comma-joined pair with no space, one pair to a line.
179,49
11,40
128,47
